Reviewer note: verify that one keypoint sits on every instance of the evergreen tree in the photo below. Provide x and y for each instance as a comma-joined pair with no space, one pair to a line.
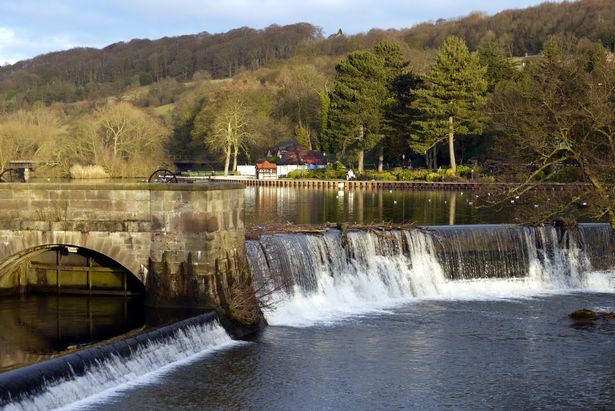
356,114
452,101
364,99
499,68
397,78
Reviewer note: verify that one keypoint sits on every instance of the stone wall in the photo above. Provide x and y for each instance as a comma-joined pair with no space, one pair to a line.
180,240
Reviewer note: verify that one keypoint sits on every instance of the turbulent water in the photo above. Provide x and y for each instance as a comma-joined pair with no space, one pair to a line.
114,374
316,278
444,300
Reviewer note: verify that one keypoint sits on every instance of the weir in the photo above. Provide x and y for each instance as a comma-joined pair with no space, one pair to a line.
70,378
320,278
308,275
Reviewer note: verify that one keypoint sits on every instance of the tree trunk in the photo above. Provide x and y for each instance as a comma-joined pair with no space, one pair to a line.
361,153
360,158
434,158
381,156
451,144
236,151
227,160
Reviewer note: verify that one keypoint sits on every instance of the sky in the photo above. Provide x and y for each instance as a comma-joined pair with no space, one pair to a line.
32,27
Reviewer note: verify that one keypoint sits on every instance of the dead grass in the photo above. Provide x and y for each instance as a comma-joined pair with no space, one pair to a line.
78,171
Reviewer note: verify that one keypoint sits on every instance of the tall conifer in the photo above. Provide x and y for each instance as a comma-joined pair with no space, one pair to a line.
452,102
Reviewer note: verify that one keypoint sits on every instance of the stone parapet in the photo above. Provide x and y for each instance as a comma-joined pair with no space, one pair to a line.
177,239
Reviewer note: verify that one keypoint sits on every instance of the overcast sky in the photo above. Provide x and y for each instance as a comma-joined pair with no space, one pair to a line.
32,27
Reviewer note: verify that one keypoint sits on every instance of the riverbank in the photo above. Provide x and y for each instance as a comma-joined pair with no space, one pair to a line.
380,185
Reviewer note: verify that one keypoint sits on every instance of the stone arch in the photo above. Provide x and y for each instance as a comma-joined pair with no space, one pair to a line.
23,244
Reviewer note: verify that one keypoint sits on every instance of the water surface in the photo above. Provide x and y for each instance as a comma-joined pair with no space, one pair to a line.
265,205
461,355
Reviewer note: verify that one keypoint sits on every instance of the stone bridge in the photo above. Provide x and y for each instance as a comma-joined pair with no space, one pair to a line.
177,243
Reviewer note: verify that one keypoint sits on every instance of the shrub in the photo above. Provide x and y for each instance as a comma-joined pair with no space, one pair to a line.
379,176
434,177
451,178
465,171
299,174
412,175
338,166
78,171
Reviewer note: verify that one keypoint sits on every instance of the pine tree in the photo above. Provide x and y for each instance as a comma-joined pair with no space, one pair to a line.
395,73
364,98
499,68
356,113
452,101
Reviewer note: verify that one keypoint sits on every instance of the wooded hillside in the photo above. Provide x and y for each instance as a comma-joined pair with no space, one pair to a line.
87,73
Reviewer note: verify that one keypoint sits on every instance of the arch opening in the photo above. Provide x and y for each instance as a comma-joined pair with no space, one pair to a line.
68,269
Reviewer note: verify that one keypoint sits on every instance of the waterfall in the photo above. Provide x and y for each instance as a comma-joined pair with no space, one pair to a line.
123,365
321,278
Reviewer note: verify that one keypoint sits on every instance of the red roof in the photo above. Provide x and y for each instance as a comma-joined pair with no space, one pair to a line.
290,152
266,165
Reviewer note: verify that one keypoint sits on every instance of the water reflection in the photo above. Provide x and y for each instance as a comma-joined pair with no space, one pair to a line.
266,205
35,328
312,206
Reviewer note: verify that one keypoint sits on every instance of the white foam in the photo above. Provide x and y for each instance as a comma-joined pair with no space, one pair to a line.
115,374
365,276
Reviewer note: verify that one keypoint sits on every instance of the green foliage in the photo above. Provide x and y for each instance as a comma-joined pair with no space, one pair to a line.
301,174
338,172
379,176
99,73
453,100
434,177
338,166
145,79
356,113
412,175
499,68
466,171
364,97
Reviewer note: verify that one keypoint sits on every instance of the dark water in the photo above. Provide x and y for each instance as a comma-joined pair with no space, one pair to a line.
35,328
314,206
38,327
352,345
499,354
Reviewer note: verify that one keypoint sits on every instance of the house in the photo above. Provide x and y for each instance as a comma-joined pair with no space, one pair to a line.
290,156
293,153
266,171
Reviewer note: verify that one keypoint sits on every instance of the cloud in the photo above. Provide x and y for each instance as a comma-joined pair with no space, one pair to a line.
17,45
31,27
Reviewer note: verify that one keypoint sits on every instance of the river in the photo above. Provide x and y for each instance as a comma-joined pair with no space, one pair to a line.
369,322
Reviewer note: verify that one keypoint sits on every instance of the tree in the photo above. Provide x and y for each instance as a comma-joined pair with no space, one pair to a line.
356,113
363,95
561,117
223,124
499,68
398,80
27,135
452,100
125,140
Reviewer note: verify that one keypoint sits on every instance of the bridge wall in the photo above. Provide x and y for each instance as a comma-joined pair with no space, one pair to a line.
180,240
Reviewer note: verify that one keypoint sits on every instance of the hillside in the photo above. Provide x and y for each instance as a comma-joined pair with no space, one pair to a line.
87,73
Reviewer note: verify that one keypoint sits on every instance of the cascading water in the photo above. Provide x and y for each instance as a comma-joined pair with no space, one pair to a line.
106,376
320,278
